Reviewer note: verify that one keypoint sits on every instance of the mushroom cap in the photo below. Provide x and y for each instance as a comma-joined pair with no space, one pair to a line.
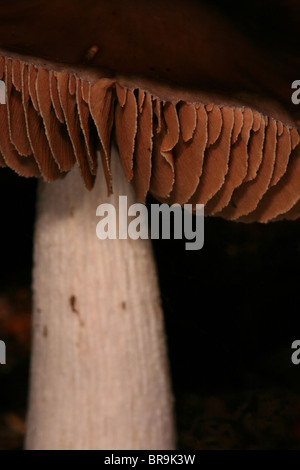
199,112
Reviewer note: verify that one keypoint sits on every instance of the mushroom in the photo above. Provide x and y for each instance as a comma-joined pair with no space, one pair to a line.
219,132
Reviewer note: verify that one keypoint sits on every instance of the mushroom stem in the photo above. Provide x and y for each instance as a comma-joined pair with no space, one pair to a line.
99,371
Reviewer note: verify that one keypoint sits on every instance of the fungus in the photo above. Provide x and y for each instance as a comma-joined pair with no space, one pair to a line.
185,128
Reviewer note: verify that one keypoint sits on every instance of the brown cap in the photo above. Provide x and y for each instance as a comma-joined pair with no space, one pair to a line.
200,114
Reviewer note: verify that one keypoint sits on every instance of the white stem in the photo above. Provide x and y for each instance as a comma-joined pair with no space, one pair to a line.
99,372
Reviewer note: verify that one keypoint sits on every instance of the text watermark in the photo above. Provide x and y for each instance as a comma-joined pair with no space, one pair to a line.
2,92
2,352
296,354
115,222
296,93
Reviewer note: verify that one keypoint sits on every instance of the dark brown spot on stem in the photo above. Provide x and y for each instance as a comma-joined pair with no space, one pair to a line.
73,302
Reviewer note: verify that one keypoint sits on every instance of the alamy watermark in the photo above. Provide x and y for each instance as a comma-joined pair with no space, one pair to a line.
2,352
296,354
296,94
116,224
2,92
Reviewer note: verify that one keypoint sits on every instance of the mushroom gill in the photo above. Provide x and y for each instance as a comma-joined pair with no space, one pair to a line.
239,156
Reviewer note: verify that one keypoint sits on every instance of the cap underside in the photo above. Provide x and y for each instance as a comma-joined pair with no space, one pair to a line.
239,156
